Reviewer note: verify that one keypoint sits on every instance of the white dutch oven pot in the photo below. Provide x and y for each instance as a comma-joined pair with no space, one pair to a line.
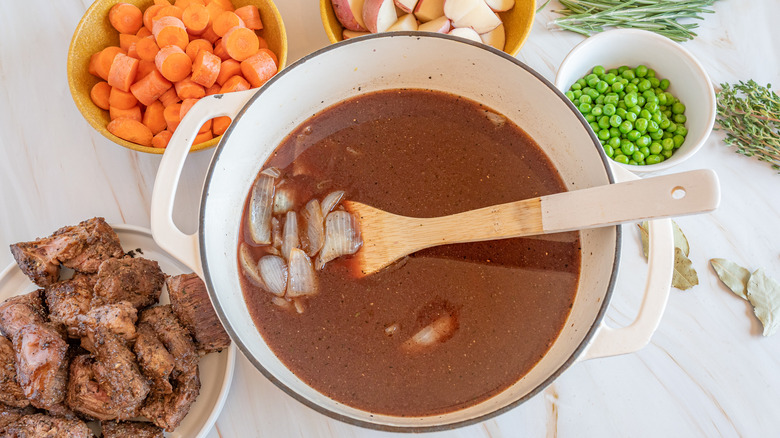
264,117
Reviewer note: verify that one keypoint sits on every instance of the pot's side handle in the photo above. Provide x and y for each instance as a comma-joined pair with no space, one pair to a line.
611,341
184,247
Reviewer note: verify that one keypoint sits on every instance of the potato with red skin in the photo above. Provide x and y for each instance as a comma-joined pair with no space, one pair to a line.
350,14
379,15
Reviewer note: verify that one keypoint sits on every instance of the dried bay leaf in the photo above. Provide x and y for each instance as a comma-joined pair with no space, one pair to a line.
732,275
680,241
645,234
685,276
764,294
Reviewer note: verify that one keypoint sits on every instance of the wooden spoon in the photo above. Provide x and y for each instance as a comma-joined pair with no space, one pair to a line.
388,237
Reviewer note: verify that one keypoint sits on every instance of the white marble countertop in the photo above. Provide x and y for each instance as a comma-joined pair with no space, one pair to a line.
707,372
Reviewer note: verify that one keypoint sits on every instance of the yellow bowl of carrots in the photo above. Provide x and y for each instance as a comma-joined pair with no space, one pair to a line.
135,67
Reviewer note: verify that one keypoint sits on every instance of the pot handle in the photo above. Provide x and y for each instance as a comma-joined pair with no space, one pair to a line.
168,236
610,341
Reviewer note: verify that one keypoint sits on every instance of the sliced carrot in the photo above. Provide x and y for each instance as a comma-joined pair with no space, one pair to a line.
105,59
228,68
214,89
206,127
202,137
172,117
235,83
131,130
162,139
121,99
144,68
143,32
170,97
251,16
221,51
272,55
170,31
186,104
196,46
126,40
263,42
100,94
187,89
122,72
209,35
154,119
220,124
93,62
167,11
225,21
173,63
132,52
196,18
126,18
150,88
259,68
205,69
240,43
149,15
225,4
133,113
147,48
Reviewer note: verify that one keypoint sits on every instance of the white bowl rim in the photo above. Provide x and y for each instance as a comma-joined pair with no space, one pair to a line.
673,47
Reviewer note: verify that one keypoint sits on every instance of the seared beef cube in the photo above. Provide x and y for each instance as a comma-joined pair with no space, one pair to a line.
191,304
10,391
119,318
10,414
85,394
81,247
155,361
18,311
138,281
69,301
173,335
41,364
47,426
117,373
167,410
131,429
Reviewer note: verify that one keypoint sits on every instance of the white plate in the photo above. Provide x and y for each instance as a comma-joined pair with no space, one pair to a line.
216,369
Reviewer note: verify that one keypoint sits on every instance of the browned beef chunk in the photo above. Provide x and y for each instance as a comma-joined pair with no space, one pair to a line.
131,429
117,373
81,247
168,410
18,311
155,361
10,414
47,426
136,280
173,335
119,318
191,304
10,391
69,301
85,394
41,364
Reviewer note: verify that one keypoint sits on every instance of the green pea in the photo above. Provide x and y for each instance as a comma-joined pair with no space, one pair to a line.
670,99
584,107
603,134
657,117
614,142
645,114
610,78
627,147
641,71
630,99
650,73
628,74
672,127
664,84
631,116
665,123
638,156
667,144
644,85
593,125
611,99
633,135
667,113
613,71
623,81
668,134
626,127
623,68
662,99
654,82
648,94
600,99
622,104
576,86
590,76
640,101
651,106
615,121
678,140
681,130
621,159
678,108
603,122
615,133
609,109
657,135
609,150
621,112
631,88
643,142
585,99
617,87
570,95
652,126
667,154
592,81
655,148
641,125
602,86
680,118
644,150
653,159
577,93
635,109
592,93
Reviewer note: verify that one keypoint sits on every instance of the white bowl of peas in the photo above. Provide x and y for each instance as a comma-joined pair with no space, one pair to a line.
647,99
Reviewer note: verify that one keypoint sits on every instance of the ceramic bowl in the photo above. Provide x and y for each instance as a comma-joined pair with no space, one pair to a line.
94,33
689,81
517,23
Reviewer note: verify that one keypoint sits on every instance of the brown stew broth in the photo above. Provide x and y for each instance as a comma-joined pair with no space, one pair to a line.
422,153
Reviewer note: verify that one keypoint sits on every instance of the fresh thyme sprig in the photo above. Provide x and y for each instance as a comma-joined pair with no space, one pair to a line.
750,115
588,17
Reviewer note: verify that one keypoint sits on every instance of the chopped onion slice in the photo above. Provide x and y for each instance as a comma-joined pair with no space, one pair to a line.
299,307
260,210
330,201
283,303
249,267
303,280
273,172
342,237
273,269
276,233
284,199
497,119
434,333
290,238
313,235
392,329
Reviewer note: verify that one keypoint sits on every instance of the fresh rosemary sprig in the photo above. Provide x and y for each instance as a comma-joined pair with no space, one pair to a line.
588,17
750,115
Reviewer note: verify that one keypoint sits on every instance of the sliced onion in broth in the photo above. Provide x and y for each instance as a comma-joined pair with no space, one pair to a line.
260,210
273,269
290,238
342,237
249,267
313,229
330,201
302,278
434,333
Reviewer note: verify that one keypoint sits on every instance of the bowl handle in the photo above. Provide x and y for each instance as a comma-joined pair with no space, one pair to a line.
610,341
184,247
